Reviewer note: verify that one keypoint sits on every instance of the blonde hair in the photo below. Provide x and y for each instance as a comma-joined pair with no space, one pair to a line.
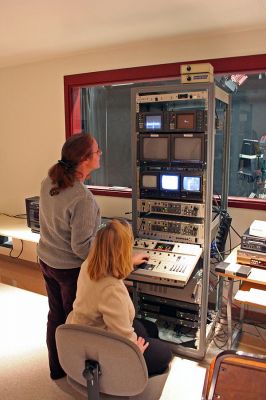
111,252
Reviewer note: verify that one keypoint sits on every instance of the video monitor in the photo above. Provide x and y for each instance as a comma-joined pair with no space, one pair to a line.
191,183
149,181
188,148
154,148
186,121
150,121
153,122
170,182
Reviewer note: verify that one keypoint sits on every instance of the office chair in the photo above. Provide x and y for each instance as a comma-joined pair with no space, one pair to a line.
235,375
103,365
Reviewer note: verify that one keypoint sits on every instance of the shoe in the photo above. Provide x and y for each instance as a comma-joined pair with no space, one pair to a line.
57,375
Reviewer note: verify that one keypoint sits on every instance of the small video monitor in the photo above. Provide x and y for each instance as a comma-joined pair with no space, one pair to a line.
149,181
191,183
170,182
186,121
153,122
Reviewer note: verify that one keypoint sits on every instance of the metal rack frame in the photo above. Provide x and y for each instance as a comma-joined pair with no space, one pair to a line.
213,93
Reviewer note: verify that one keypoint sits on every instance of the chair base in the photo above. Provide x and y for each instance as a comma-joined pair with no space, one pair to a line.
152,391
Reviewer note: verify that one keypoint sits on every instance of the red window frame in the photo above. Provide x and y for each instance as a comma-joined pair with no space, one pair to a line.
72,83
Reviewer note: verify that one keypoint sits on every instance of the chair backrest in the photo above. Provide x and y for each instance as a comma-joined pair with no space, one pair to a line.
124,371
235,375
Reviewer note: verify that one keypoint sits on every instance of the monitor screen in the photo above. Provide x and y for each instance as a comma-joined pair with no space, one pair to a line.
155,148
186,121
169,182
191,183
187,149
153,122
149,181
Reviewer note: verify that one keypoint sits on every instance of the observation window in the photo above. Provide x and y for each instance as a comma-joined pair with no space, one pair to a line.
103,107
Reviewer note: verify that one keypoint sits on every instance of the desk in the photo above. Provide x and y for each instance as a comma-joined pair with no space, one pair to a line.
22,238
247,293
17,228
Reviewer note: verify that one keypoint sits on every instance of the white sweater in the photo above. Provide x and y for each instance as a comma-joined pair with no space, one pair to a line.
104,304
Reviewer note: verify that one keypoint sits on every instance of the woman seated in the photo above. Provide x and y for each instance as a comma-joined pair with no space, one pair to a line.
102,298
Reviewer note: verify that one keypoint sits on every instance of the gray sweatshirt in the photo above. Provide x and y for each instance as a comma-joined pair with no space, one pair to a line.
68,223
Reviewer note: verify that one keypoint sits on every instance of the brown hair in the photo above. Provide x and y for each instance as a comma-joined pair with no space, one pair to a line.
111,252
76,149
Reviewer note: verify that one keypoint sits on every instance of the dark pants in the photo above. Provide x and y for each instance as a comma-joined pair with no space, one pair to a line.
158,353
61,286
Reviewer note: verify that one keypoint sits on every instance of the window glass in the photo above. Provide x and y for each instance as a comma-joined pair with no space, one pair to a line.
106,113
247,134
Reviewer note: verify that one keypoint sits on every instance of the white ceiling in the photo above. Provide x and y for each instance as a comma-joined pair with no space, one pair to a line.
34,30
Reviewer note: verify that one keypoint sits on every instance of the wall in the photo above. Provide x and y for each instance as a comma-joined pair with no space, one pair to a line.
32,102
115,206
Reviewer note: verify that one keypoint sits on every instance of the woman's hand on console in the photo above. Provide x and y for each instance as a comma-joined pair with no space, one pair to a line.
139,258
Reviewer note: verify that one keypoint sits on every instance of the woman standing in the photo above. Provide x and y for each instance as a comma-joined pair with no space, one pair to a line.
69,218
103,300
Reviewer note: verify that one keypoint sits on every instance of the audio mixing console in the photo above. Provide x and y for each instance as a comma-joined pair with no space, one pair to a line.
169,263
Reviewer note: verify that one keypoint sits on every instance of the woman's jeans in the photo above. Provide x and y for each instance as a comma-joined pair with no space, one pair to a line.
61,286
